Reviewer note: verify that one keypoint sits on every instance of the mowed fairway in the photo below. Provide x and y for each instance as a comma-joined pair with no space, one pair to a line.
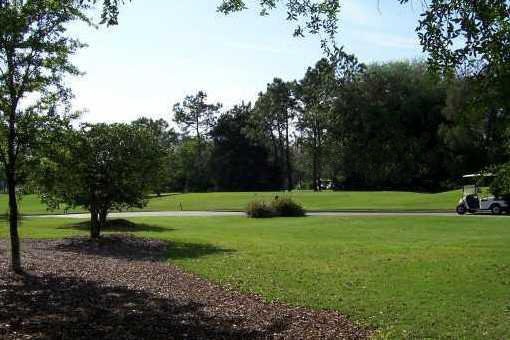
312,201
406,276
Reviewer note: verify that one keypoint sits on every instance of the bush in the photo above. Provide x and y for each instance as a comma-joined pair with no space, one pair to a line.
259,209
500,186
286,207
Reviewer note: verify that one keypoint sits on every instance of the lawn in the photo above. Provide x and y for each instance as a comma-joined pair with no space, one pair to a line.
407,276
328,200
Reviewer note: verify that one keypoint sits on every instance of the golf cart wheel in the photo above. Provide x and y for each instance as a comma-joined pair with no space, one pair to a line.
496,209
461,209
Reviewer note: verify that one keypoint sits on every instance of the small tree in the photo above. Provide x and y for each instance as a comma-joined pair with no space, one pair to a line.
105,168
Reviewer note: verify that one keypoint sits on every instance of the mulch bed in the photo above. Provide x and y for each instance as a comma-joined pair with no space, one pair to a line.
119,288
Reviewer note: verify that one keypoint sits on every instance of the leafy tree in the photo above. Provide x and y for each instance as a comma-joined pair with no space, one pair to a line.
473,131
240,162
104,168
275,111
35,52
386,124
168,140
316,93
190,172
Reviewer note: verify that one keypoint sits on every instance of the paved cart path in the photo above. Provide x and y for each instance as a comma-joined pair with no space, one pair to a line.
238,213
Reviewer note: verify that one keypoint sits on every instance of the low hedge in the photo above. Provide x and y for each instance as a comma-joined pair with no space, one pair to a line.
278,207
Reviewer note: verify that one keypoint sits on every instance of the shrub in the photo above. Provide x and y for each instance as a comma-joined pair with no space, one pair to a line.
259,209
286,207
500,186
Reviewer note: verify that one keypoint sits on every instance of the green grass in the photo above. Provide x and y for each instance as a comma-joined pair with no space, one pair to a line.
414,277
339,200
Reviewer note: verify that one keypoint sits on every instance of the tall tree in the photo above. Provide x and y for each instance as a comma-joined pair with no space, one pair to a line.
167,139
386,123
316,93
275,111
196,118
35,52
240,162
195,114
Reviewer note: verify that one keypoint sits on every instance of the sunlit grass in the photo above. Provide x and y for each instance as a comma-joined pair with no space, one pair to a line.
416,277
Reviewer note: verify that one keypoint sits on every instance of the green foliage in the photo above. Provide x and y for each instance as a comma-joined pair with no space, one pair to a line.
35,58
167,140
273,114
104,168
240,162
500,186
384,131
313,17
259,209
287,207
278,207
196,115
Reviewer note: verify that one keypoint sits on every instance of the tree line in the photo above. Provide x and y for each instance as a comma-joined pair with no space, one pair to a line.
382,126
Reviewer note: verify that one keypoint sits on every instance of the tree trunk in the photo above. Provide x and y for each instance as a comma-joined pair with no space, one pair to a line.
287,159
13,220
318,156
11,166
103,213
316,184
95,227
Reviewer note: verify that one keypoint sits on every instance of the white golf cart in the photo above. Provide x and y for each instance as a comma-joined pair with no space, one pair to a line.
472,201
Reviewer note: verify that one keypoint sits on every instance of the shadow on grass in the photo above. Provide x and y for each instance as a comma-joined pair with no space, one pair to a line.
184,250
118,225
60,307
125,246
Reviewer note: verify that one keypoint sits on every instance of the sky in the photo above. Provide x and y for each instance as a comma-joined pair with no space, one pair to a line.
163,50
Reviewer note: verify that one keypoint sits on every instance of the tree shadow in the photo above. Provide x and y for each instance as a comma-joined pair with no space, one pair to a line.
118,225
55,307
125,246
186,250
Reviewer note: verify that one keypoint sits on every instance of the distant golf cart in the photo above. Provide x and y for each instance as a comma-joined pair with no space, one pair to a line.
472,200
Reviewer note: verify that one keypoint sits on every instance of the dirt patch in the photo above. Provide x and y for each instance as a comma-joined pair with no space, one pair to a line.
119,289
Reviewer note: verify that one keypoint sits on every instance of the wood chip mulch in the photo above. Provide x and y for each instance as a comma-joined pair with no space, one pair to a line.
119,288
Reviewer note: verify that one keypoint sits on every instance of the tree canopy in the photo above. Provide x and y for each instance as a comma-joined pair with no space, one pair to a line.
103,168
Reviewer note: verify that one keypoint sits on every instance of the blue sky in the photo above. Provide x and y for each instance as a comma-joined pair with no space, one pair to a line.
165,49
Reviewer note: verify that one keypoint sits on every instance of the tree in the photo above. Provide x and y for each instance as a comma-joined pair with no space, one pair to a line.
274,112
316,93
240,162
167,139
104,168
189,172
385,124
196,118
195,114
35,56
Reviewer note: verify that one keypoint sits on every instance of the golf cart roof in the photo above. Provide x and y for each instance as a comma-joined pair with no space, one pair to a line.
478,175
